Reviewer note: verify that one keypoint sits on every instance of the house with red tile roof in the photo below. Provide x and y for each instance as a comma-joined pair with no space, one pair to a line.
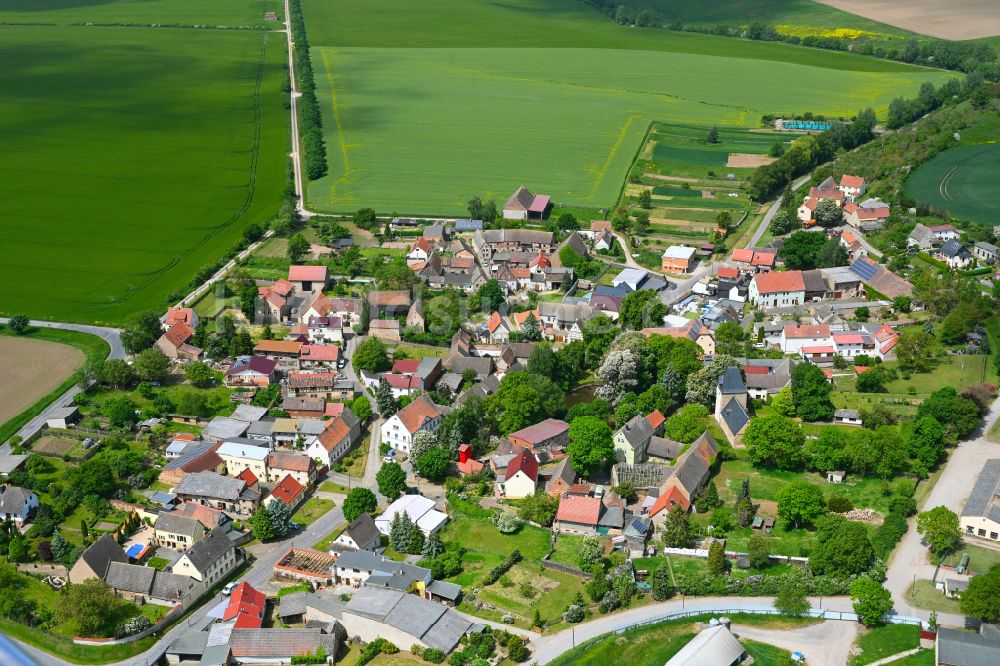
656,421
309,278
852,186
695,330
728,272
794,338
578,514
520,478
749,261
318,356
497,329
399,430
862,216
274,303
687,477
175,343
340,434
247,606
178,315
777,289
299,466
420,250
289,492
249,477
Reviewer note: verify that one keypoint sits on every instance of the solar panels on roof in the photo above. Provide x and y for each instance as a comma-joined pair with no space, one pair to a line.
864,269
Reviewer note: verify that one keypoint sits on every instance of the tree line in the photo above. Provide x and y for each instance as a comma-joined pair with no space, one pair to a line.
310,119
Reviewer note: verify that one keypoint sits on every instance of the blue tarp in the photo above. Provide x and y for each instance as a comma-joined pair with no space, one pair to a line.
134,550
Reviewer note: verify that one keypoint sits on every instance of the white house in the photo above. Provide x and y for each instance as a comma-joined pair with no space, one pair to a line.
210,560
777,288
944,232
981,514
632,278
794,338
852,186
399,430
520,478
850,345
361,534
17,504
421,511
240,454
955,254
920,237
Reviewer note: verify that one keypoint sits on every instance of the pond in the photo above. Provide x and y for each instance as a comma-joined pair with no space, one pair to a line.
584,393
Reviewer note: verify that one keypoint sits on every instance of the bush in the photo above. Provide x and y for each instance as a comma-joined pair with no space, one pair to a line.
904,506
889,533
374,649
839,504
573,614
502,568
433,655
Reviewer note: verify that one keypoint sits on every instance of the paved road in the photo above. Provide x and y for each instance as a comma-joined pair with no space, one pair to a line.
824,644
629,260
110,335
911,561
772,211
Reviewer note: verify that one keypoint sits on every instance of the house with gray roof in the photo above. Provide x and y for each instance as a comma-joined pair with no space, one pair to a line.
986,252
360,567
210,560
176,531
96,559
140,583
17,504
361,534
955,647
224,427
403,619
663,448
225,493
955,254
981,514
632,440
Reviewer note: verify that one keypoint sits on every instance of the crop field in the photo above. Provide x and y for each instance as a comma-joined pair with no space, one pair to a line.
786,13
691,180
133,157
962,181
29,369
418,119
248,13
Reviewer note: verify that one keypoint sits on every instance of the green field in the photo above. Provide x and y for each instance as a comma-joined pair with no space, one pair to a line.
962,181
169,12
420,118
133,157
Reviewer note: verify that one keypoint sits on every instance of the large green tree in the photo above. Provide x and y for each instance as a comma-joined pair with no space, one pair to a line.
434,464
677,531
801,503
801,249
371,356
357,502
811,391
981,599
152,365
842,547
590,444
641,309
391,480
871,601
775,441
940,529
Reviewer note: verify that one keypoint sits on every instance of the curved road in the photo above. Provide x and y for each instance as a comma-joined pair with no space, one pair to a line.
110,335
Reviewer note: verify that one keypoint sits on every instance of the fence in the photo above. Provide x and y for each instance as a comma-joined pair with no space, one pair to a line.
565,569
761,610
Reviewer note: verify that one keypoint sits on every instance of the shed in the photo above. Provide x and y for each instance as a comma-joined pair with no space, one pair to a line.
836,476
63,417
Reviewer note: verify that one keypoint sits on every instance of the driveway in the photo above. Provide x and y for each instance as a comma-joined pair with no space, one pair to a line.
910,560
824,644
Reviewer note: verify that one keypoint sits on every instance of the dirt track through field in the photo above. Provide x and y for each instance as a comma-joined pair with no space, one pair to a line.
958,19
29,369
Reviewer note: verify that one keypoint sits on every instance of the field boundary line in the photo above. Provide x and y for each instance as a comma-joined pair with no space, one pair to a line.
603,171
341,138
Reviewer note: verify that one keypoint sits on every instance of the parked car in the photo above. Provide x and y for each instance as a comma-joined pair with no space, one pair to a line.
228,589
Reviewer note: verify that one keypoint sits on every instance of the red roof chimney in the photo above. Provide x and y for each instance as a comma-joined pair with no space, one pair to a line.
464,452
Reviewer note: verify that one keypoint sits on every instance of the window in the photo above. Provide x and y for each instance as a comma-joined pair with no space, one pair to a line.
982,532
993,535
968,529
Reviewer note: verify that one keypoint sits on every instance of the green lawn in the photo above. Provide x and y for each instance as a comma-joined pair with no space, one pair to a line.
923,594
312,510
574,90
655,644
922,658
981,559
766,655
333,487
884,641
141,152
93,347
323,545
217,398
